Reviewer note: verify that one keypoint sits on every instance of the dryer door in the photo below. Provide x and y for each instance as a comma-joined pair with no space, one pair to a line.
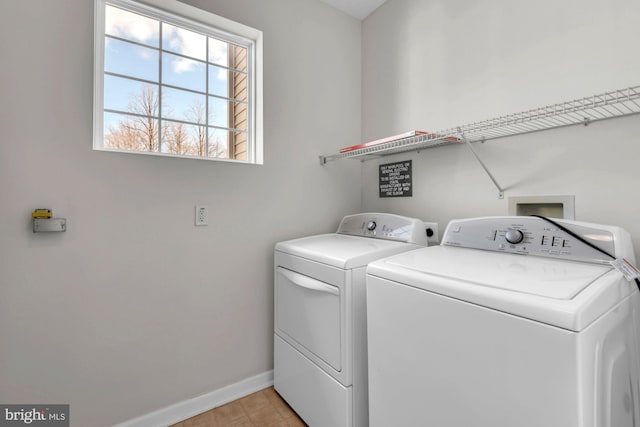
308,315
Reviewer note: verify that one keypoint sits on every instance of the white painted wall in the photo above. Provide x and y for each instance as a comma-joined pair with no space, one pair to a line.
430,65
134,308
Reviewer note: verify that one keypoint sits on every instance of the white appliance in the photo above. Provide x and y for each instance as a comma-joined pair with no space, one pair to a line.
320,364
512,321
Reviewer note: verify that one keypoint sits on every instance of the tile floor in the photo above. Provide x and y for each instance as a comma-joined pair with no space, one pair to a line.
264,408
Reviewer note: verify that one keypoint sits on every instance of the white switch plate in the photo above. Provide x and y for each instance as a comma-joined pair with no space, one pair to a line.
202,215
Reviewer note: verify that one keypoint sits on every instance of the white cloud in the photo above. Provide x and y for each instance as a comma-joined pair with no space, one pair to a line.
183,65
186,43
146,54
218,55
218,52
131,26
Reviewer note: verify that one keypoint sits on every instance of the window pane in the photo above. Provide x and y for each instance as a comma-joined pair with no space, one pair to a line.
131,26
184,42
238,144
238,57
239,115
183,139
183,72
218,52
239,86
218,112
130,59
183,105
218,81
122,132
218,143
130,95
227,114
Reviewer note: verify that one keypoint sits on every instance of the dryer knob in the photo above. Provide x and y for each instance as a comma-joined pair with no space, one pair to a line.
371,225
514,236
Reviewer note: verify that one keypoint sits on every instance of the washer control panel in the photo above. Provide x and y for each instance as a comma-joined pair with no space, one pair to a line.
387,226
532,236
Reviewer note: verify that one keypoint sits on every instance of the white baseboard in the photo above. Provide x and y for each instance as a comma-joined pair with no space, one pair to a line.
188,408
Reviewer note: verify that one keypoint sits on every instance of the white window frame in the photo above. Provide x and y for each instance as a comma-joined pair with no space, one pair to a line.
195,19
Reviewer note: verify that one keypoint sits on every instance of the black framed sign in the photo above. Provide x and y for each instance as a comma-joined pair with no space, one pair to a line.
396,179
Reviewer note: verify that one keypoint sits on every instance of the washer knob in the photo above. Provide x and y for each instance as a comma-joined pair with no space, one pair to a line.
514,236
371,225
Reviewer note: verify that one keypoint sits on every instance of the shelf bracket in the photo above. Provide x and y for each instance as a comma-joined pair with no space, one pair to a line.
466,141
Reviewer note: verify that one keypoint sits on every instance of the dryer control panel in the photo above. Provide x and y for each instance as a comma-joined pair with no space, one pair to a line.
389,227
536,236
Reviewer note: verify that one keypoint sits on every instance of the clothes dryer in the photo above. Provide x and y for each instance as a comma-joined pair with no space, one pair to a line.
320,363
512,321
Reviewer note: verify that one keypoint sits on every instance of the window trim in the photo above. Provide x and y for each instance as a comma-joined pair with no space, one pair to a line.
199,20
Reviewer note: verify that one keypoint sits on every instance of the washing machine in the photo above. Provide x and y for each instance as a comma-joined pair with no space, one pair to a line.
320,363
510,322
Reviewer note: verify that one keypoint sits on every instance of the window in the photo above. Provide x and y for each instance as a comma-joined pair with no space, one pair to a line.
176,81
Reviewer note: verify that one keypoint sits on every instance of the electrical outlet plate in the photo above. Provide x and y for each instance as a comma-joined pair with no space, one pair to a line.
432,239
201,215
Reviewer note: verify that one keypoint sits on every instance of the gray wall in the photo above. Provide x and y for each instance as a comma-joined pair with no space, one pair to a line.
134,308
430,65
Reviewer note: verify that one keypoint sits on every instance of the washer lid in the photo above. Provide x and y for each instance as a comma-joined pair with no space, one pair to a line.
562,293
343,251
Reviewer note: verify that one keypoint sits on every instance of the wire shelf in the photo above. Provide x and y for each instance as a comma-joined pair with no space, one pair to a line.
609,105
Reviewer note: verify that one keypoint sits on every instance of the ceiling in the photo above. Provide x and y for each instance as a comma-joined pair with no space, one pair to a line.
357,8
